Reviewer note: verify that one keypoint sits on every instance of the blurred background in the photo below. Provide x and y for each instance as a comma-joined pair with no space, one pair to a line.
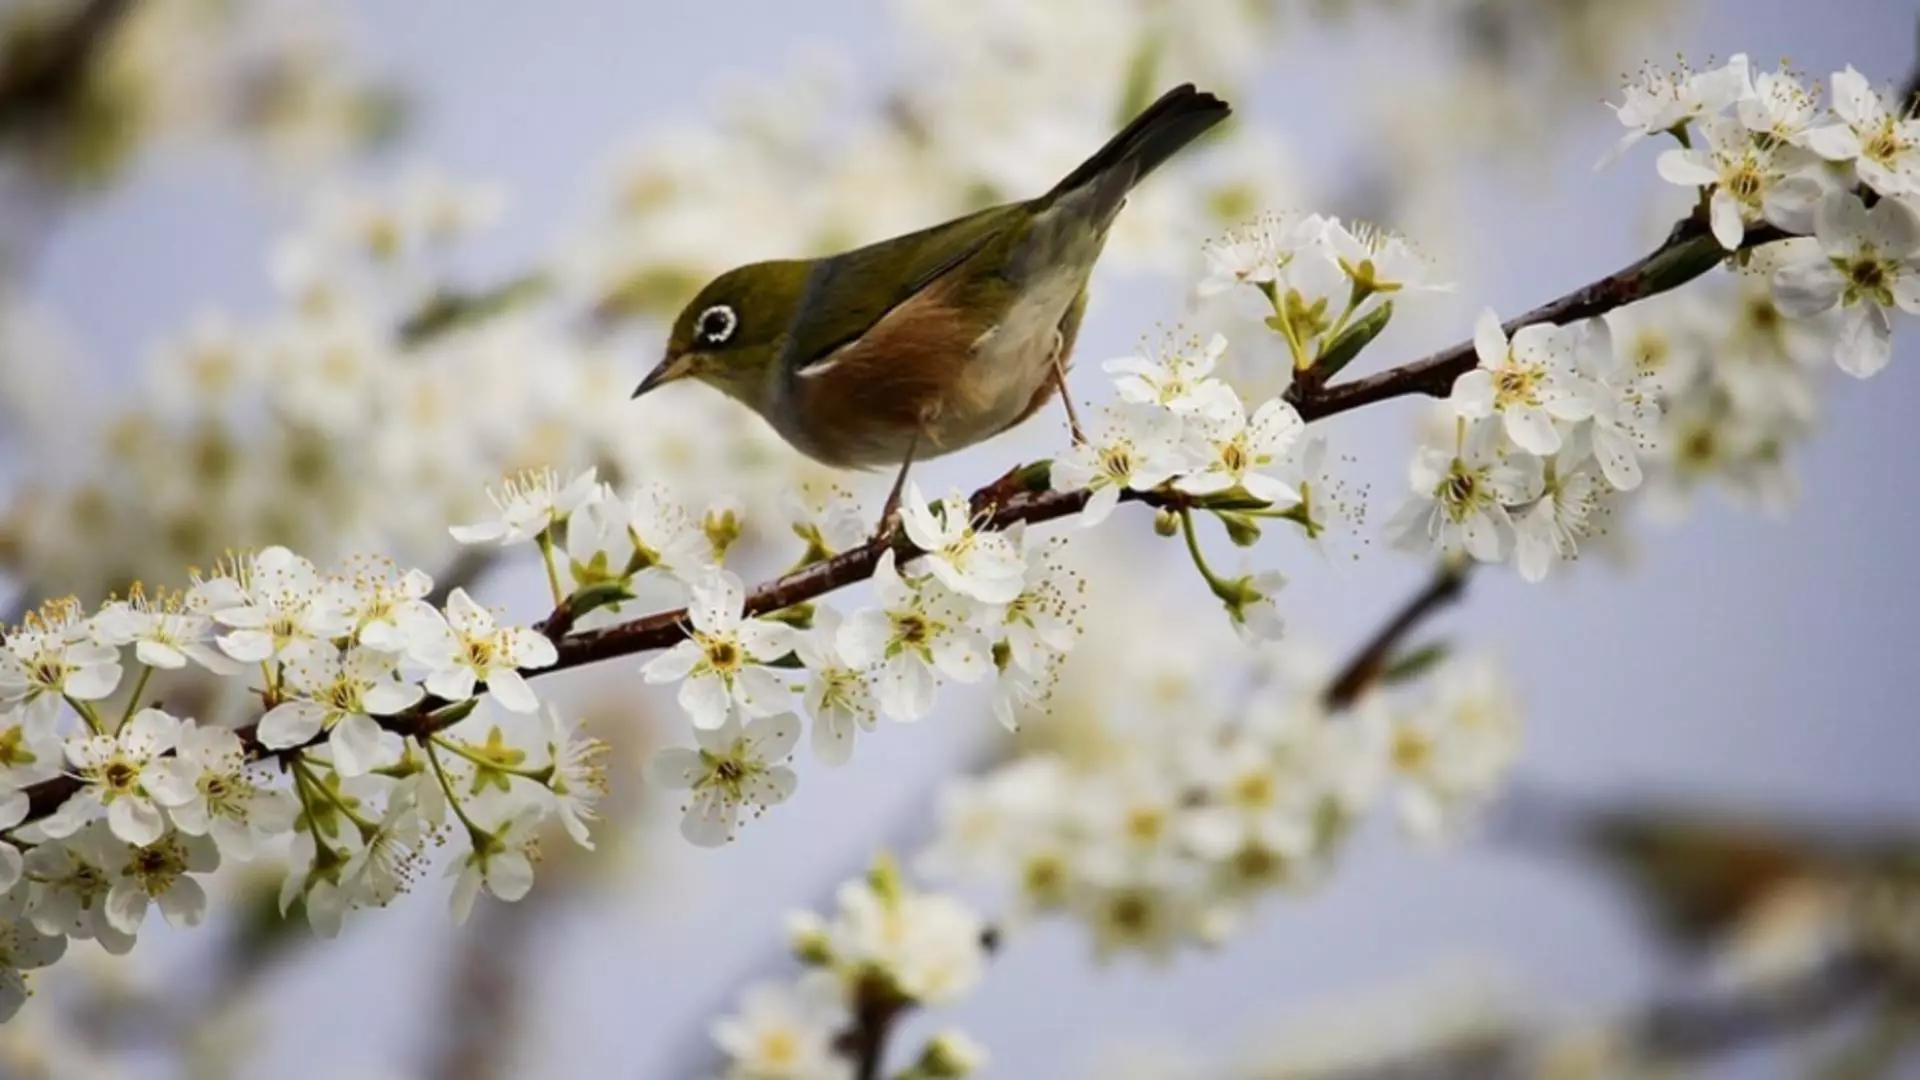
314,272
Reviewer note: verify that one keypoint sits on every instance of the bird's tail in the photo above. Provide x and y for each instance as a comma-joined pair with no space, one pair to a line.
1181,115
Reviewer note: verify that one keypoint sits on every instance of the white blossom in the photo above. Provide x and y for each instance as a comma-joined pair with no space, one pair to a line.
469,647
983,565
1669,100
56,656
783,1033
1528,382
159,873
271,602
527,506
1868,264
1233,451
724,659
1178,379
341,693
113,769
1132,448
839,696
1751,183
164,632
1460,498
735,767
1879,136
208,789
500,863
920,631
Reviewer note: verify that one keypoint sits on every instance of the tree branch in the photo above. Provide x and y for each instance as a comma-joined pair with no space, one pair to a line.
1022,496
1688,252
1448,582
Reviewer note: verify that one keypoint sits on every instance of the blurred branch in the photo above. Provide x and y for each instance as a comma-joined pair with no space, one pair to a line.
37,83
448,310
865,1043
1378,654
1665,1033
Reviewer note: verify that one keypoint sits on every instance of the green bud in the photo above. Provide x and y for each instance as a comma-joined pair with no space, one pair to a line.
808,938
1166,523
1355,338
722,528
1241,529
885,878
949,1056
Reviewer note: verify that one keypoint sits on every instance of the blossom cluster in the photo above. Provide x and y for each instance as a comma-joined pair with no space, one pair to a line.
887,947
1848,175
1556,424
389,723
1181,427
1170,836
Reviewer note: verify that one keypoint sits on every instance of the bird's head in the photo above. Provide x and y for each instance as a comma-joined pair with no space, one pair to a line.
732,334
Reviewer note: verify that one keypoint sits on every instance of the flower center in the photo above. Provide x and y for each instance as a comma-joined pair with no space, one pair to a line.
13,748
1461,491
1516,385
911,630
1254,790
120,776
481,654
779,1047
1884,145
1234,456
1746,183
1144,824
1131,911
1867,276
1117,461
1412,750
1255,863
723,655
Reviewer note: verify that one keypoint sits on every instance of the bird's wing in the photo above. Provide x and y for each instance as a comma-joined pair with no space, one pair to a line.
864,284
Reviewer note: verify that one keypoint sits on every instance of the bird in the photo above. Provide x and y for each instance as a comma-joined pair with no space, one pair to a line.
927,343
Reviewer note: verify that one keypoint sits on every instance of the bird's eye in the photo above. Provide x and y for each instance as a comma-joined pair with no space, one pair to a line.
716,325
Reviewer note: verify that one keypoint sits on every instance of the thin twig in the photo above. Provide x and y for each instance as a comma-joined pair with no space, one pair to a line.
1448,582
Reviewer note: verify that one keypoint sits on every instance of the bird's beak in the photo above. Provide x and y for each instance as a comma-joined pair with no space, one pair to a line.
666,371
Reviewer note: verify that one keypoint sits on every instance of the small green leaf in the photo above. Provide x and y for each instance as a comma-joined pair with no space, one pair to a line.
1352,341
1414,663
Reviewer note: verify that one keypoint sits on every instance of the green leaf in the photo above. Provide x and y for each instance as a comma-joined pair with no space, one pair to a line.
1352,341
1414,663
594,597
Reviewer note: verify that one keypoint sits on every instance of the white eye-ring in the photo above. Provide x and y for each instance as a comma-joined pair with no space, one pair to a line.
716,325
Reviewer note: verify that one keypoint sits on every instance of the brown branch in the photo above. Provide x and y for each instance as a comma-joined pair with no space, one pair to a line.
1448,582
1688,252
1022,496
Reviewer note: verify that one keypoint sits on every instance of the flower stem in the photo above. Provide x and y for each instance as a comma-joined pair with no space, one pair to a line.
87,712
538,776
446,785
1213,580
1282,323
133,703
303,774
545,541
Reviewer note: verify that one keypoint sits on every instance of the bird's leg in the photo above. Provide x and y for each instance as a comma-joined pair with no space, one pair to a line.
892,505
1060,380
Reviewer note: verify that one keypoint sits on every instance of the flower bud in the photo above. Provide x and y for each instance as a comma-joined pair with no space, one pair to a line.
950,1055
1166,523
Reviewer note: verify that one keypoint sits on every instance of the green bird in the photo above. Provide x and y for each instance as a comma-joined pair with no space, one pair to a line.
926,343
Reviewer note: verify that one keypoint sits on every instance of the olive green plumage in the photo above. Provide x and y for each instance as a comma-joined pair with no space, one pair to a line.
929,342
